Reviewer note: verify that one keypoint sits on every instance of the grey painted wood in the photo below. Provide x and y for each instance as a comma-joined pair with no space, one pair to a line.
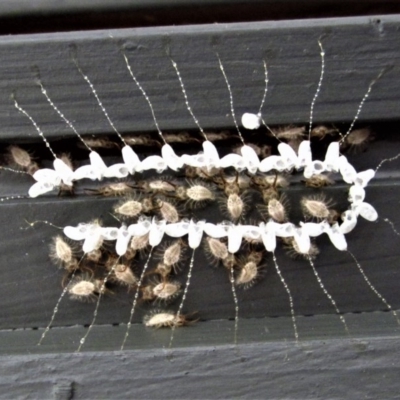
357,50
346,368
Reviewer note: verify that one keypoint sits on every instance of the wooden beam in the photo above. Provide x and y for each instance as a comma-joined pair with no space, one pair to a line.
357,50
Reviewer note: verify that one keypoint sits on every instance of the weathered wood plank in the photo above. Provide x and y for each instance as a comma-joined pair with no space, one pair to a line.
345,369
357,49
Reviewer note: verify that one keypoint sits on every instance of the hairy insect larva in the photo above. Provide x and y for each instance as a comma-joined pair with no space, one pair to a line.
217,249
358,139
113,189
236,206
84,289
124,275
23,159
247,275
290,132
94,256
129,208
294,251
197,195
61,252
163,269
181,137
250,269
96,143
166,290
223,135
141,140
161,185
167,210
159,319
277,209
317,181
140,243
321,131
316,207
172,255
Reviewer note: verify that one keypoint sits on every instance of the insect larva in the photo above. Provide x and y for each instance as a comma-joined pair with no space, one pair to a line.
84,288
317,206
321,131
277,209
318,181
171,255
234,206
124,275
249,270
181,137
290,132
22,158
217,249
197,195
95,143
112,189
140,243
167,210
358,139
165,291
159,185
141,140
62,253
161,319
294,251
129,208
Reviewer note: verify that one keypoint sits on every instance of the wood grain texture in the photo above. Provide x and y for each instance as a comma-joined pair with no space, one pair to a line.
367,368
357,50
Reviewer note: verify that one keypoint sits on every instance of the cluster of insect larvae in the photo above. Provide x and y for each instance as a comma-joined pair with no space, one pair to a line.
97,271
172,206
169,205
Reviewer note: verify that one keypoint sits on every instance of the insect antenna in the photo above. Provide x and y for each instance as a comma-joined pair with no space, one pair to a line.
285,285
144,95
328,295
185,291
101,292
373,288
86,78
322,53
135,299
174,64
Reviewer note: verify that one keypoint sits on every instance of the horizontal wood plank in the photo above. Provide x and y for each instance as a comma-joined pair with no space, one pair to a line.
357,50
